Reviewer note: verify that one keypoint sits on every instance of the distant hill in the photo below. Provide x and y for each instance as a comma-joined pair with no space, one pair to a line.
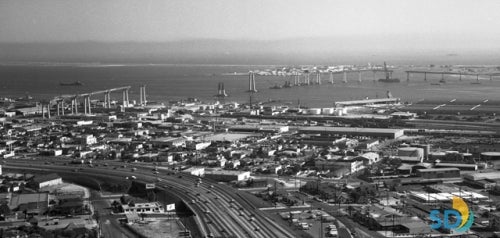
213,51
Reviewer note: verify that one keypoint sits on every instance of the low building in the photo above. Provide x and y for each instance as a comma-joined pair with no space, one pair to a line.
352,131
147,208
196,171
226,175
85,140
484,180
46,180
438,173
32,203
168,142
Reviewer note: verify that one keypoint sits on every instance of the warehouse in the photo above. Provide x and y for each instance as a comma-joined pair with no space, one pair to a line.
227,175
438,173
352,131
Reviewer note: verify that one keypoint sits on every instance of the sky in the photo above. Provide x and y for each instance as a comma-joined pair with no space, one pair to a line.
448,21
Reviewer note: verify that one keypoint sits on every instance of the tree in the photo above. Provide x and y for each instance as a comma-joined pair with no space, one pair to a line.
5,210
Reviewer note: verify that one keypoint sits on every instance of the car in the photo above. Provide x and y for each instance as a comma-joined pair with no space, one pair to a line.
133,177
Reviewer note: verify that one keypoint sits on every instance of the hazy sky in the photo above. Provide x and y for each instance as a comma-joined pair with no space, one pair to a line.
167,20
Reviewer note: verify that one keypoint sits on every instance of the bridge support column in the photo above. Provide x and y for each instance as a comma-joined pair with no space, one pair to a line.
85,105
48,110
359,76
89,105
76,106
72,106
477,77
126,98
345,77
105,104
62,108
425,76
57,105
109,99
460,78
408,76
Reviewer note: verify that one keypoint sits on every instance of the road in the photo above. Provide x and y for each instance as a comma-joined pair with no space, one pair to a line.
219,210
109,224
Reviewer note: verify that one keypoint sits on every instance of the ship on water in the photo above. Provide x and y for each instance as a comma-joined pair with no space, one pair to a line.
287,84
76,83
388,76
276,86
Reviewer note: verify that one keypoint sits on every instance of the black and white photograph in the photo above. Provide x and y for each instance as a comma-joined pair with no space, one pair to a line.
249,118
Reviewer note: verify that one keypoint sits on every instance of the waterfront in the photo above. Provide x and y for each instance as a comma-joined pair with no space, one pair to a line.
176,82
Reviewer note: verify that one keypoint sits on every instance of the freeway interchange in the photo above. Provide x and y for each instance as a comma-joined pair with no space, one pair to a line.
220,210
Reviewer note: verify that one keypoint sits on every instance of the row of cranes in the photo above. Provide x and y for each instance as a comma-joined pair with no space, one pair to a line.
72,103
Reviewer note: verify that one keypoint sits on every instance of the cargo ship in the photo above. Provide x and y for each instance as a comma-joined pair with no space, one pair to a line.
76,83
388,76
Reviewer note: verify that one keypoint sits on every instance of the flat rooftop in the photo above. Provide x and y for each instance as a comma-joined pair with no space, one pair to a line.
348,129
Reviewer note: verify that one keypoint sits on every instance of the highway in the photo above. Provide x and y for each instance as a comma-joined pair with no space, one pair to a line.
220,211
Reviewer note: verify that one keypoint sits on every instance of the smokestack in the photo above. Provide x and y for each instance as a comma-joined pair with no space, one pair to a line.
144,94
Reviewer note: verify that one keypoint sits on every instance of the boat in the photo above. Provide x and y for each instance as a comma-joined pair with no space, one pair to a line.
388,76
276,87
76,83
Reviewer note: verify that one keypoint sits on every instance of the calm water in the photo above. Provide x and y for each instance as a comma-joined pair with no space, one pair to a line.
169,82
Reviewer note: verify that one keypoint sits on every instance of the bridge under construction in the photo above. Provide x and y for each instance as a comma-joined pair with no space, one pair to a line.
443,73
74,101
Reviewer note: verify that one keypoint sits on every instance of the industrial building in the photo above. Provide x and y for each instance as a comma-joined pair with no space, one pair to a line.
352,131
413,155
438,173
227,175
46,180
484,180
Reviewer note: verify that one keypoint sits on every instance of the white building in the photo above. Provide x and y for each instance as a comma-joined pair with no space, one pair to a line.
147,208
47,180
227,176
86,140
196,171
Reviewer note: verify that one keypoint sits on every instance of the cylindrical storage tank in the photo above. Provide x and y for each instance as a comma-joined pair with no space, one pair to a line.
490,156
314,111
327,111
411,151
467,155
